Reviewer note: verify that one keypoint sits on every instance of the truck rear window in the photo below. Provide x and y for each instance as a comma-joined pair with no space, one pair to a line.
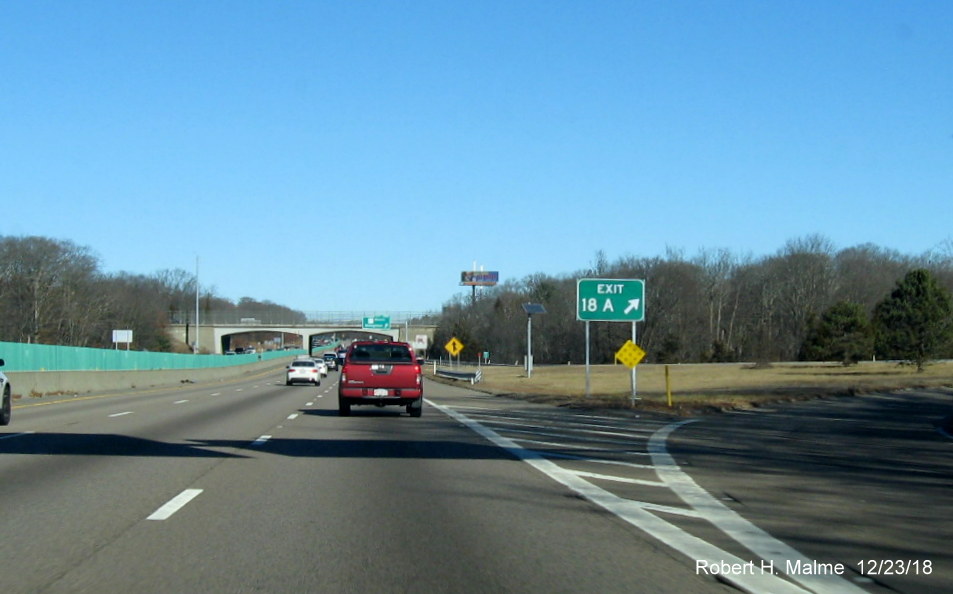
381,353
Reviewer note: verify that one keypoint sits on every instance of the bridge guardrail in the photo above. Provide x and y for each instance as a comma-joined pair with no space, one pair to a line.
252,318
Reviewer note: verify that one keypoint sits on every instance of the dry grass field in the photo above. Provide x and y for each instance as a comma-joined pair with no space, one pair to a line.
700,387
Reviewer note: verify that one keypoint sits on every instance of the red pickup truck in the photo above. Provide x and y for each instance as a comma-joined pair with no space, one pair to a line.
381,373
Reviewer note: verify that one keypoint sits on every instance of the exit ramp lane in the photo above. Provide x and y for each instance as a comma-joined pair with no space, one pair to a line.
621,462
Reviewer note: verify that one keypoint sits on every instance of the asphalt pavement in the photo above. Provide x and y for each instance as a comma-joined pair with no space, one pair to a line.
257,486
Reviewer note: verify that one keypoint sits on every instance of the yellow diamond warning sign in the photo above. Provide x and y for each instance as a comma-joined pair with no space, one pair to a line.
630,354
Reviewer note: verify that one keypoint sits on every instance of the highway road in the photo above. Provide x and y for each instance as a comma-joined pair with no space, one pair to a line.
254,486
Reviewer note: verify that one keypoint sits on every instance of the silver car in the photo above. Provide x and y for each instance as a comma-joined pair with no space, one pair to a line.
322,366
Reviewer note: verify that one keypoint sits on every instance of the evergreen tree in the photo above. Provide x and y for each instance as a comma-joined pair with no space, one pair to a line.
843,333
915,323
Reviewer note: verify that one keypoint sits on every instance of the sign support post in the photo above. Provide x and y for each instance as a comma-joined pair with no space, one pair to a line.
634,397
611,300
588,387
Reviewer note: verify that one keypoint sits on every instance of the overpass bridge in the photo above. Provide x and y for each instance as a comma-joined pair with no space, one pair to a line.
219,333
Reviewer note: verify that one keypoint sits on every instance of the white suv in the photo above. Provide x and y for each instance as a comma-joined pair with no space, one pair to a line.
6,405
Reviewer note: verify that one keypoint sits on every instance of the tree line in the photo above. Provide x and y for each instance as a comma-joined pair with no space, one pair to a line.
54,292
808,301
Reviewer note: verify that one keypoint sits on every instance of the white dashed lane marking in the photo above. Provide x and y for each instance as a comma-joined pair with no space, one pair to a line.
174,504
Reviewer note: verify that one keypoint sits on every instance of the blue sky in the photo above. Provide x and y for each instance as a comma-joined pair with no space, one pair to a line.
337,156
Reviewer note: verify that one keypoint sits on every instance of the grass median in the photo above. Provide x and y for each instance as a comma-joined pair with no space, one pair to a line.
707,387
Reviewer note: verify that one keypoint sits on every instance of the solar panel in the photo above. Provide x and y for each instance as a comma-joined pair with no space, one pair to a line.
534,308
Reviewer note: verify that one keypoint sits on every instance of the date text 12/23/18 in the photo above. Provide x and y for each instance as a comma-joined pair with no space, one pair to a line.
869,567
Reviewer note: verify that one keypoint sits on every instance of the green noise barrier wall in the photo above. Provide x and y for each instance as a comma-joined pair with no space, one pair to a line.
42,357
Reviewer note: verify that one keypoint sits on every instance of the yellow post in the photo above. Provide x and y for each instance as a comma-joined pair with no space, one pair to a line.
668,387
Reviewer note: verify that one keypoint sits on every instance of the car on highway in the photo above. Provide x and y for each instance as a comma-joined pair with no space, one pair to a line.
321,365
302,371
381,373
332,360
6,406
341,354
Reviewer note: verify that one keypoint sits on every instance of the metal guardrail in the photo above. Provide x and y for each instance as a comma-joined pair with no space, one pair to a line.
472,376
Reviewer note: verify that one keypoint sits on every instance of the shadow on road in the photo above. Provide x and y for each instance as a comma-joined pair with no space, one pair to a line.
68,444
100,444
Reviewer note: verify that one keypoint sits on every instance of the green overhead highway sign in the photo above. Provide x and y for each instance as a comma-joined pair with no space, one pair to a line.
610,300
377,323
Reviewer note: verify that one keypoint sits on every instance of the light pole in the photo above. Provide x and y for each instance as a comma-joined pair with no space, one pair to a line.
197,305
530,309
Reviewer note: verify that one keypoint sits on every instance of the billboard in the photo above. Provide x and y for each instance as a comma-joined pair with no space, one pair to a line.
479,278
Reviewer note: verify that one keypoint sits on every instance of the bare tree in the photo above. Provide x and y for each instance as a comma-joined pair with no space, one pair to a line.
42,282
722,293
866,273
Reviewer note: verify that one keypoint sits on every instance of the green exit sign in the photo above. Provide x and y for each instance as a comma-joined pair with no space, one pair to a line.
610,300
376,323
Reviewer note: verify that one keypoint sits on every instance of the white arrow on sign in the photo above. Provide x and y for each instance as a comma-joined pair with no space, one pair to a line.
633,306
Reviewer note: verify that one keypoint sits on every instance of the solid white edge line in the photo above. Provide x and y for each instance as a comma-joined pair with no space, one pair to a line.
174,504
634,513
